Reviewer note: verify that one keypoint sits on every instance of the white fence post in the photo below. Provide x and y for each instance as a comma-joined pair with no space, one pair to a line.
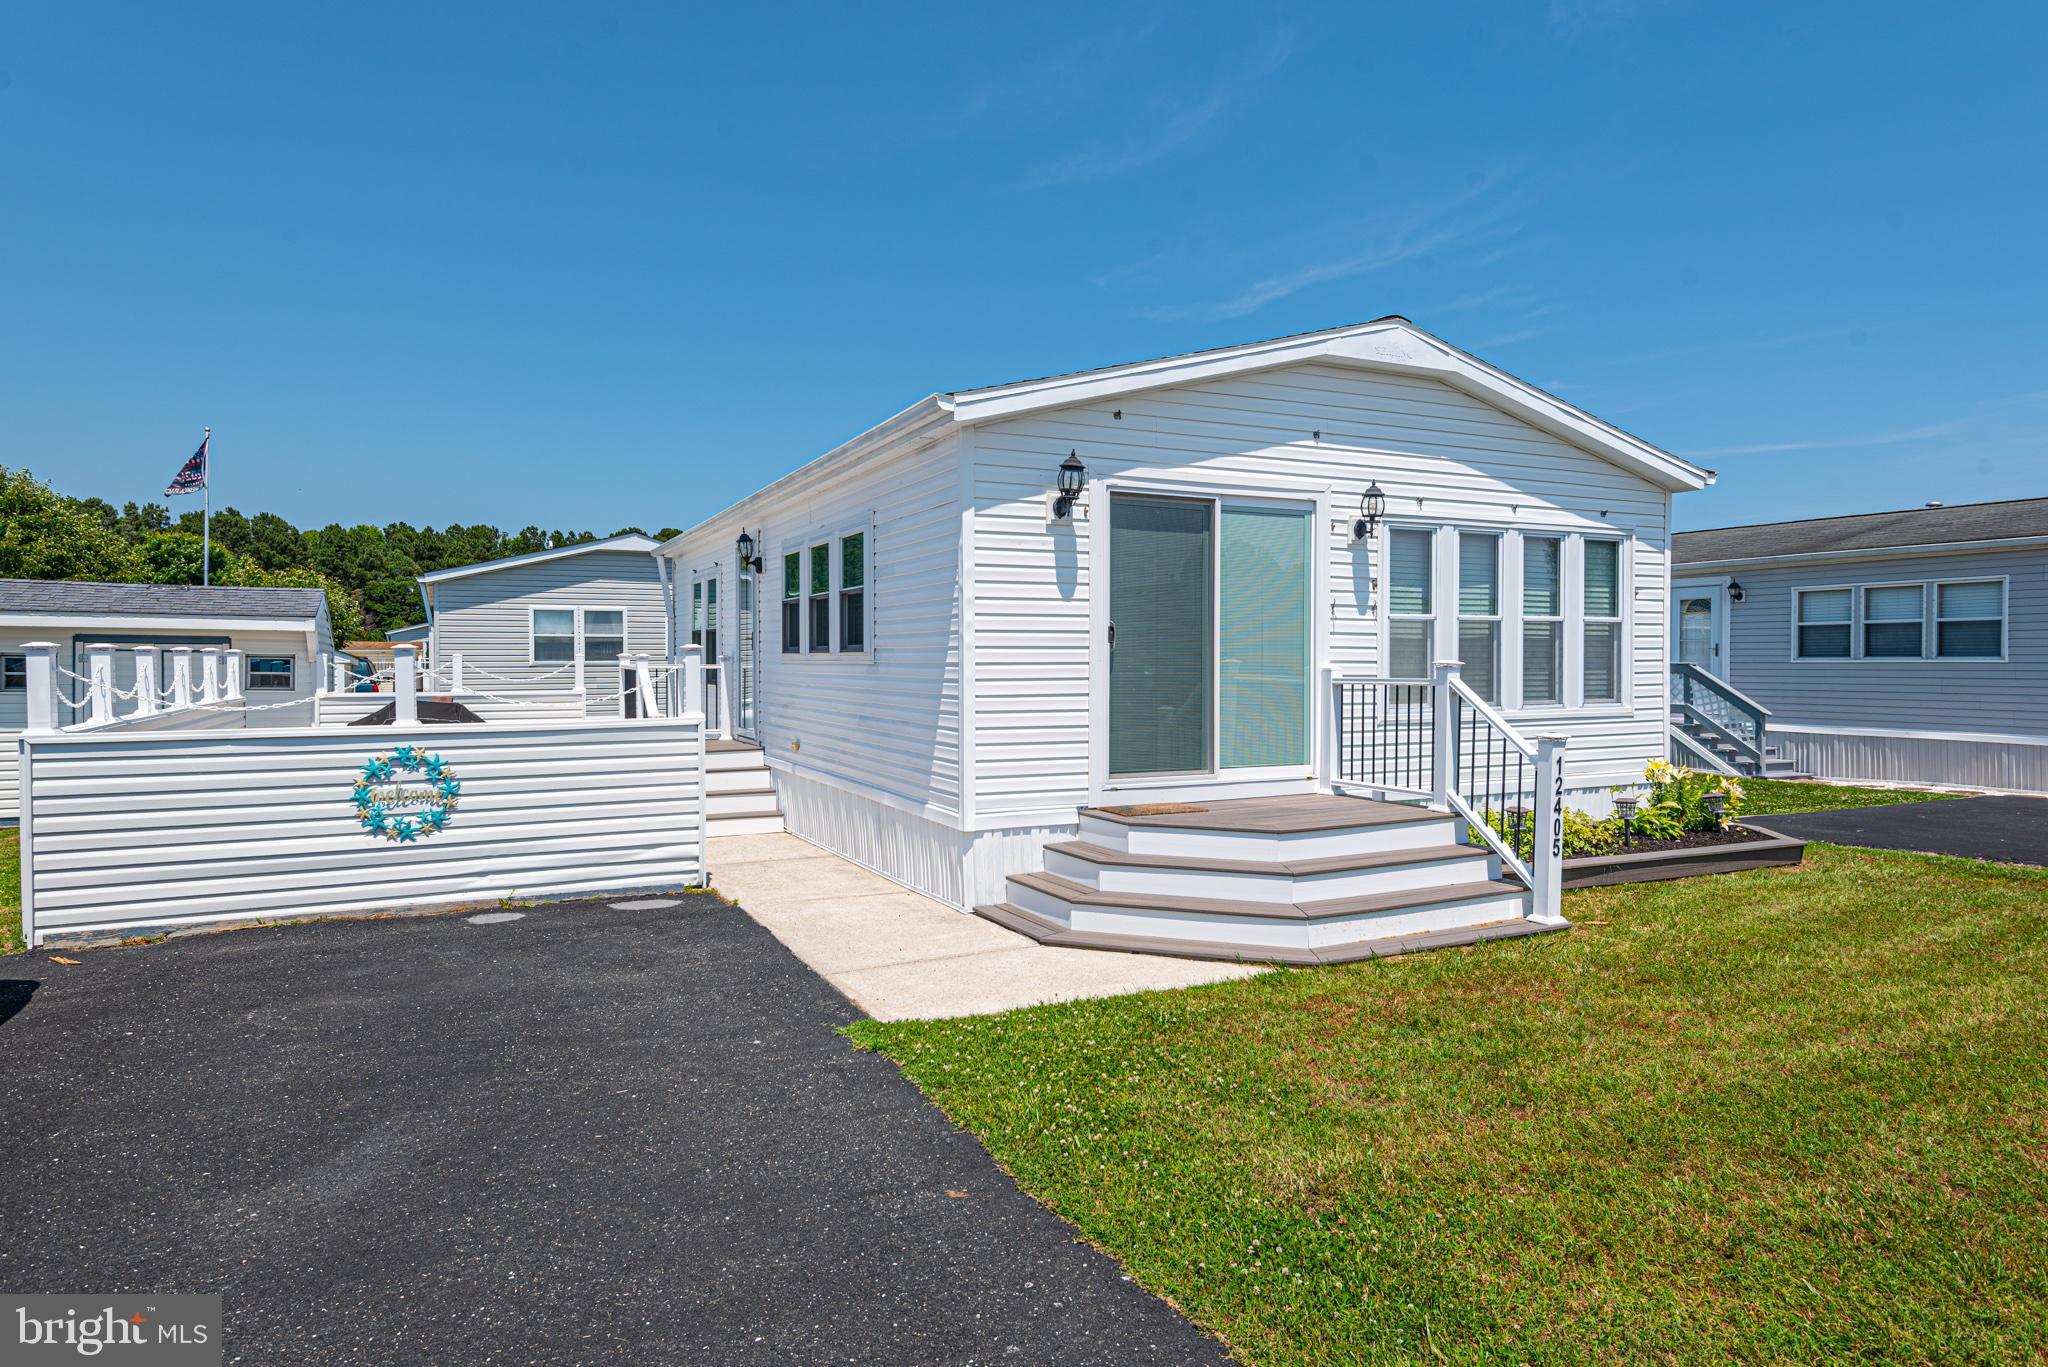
209,674
625,685
1547,868
340,675
1443,751
576,671
181,676
405,684
650,705
231,675
693,682
455,672
323,674
100,692
42,688
145,681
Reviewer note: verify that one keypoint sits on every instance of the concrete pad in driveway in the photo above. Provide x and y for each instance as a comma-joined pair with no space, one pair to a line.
899,955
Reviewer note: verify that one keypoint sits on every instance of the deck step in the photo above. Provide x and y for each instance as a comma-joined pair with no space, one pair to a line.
1269,880
1291,829
1081,895
1049,932
743,825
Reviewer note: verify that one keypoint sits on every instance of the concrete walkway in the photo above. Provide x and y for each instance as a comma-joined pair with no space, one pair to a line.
898,955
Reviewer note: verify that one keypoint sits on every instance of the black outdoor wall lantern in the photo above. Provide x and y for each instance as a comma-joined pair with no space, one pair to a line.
1371,508
1073,476
748,560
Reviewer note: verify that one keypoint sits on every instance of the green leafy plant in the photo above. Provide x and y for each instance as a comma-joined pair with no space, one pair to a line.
1675,805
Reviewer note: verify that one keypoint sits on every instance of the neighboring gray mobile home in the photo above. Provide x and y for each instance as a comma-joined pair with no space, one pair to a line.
542,622
944,667
1903,646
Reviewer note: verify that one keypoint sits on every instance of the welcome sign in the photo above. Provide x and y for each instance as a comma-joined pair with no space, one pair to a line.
405,795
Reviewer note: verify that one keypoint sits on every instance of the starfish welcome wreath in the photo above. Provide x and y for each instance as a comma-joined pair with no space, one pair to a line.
387,807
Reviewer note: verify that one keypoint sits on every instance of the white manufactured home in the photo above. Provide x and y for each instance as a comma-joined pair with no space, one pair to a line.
272,639
1100,654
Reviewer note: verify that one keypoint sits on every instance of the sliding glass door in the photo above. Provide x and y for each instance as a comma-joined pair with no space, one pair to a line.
1209,637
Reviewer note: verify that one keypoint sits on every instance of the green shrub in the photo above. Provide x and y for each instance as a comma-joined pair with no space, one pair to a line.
1675,804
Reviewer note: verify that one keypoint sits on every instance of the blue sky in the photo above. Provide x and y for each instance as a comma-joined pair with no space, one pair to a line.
601,265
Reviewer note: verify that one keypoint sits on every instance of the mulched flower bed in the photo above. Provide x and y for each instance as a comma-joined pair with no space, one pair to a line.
1732,835
1725,851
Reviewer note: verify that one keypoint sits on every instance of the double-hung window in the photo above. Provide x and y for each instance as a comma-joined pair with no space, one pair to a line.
853,578
821,597
604,633
1601,606
1542,621
554,635
1823,624
1969,620
1411,603
1479,612
1894,622
13,673
269,671
557,633
792,604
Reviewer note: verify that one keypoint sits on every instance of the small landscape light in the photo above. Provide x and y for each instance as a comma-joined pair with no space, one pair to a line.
1717,803
1625,807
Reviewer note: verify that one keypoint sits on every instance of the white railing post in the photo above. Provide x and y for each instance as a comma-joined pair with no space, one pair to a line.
650,704
405,683
1330,733
231,675
323,675
41,658
693,682
455,672
1443,750
100,691
340,675
625,685
181,676
576,671
145,681
1547,868
209,674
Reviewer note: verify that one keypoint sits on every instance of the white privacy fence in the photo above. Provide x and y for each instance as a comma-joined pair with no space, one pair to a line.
167,820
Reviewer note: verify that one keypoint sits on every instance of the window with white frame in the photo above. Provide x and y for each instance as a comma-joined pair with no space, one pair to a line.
853,578
269,671
13,673
562,634
1969,619
1542,621
820,602
1600,606
1894,621
1479,612
1822,624
792,603
554,635
1411,602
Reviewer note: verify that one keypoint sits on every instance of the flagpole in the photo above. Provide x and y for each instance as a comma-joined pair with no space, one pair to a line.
206,513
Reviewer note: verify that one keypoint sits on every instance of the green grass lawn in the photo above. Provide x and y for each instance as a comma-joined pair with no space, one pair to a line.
1789,1115
10,892
1765,796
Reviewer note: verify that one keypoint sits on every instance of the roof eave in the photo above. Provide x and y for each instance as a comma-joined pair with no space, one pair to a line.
609,543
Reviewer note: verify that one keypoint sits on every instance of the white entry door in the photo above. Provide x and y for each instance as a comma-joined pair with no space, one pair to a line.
1696,627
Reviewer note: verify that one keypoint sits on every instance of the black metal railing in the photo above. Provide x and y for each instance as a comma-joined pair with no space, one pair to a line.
1385,735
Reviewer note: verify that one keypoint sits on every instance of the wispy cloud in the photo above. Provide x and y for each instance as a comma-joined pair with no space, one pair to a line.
1903,434
1474,215
1168,126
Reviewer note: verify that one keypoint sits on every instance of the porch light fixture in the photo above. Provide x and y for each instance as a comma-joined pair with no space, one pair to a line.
745,546
1372,506
1073,475
1735,593
1625,808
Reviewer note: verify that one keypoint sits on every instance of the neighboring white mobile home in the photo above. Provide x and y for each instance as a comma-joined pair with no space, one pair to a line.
945,664
1905,646
282,634
542,622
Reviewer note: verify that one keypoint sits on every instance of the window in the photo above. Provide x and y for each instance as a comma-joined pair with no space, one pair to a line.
1893,622
1479,612
1602,612
853,578
821,597
792,610
1823,624
13,673
697,613
604,634
1969,620
1411,611
554,635
1542,620
269,671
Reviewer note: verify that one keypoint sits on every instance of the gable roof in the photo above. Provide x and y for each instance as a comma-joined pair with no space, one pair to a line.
71,598
625,541
1959,524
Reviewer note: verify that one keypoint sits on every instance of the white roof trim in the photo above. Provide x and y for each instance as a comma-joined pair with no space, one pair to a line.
631,541
121,621
1388,344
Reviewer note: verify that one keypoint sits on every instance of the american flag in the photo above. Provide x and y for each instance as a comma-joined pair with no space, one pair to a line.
192,478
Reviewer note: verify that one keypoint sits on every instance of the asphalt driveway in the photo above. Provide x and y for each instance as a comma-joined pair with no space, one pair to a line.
586,1135
2009,830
